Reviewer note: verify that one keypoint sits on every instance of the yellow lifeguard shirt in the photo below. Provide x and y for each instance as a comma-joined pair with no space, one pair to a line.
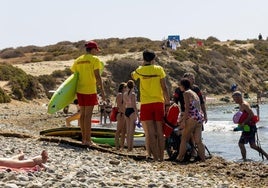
85,66
150,87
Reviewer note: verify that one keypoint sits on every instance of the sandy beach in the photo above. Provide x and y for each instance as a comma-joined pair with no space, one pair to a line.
73,166
70,165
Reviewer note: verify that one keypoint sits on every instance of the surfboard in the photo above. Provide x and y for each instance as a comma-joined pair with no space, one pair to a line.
64,95
138,141
76,131
98,135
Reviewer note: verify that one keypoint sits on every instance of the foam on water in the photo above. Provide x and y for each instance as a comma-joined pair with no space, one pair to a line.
220,138
219,126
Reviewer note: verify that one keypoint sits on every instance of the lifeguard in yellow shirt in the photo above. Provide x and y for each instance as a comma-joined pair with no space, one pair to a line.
153,95
88,67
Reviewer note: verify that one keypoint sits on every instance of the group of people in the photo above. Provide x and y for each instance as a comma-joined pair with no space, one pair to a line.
154,100
126,101
193,114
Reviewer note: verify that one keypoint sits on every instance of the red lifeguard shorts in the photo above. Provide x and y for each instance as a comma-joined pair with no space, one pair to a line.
87,99
152,111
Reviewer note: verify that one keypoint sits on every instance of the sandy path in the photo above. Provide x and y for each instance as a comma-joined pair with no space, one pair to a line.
47,67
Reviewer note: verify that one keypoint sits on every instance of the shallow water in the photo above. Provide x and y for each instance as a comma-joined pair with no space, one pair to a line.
220,138
218,134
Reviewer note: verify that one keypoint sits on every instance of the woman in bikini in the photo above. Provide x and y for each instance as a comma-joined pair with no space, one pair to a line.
131,113
191,121
120,133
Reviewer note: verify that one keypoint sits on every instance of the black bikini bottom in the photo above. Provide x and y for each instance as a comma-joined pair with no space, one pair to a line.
129,111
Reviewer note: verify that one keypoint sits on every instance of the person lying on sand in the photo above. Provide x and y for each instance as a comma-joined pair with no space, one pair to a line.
18,161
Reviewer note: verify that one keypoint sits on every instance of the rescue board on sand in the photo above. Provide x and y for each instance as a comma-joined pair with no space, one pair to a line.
76,131
98,135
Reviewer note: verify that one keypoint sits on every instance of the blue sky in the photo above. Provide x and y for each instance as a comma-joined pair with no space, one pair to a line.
44,22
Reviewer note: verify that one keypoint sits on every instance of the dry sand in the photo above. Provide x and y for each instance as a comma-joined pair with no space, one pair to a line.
30,118
47,67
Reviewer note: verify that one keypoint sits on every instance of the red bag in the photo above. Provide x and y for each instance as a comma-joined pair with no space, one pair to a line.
171,120
240,117
113,114
167,130
172,115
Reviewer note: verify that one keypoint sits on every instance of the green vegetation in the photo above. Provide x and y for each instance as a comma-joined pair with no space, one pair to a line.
27,87
10,53
4,98
217,65
23,86
48,82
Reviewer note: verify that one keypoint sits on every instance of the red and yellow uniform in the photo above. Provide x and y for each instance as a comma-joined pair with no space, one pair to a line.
85,66
150,88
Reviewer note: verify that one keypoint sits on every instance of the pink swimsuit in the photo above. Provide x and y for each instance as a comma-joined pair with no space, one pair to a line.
194,111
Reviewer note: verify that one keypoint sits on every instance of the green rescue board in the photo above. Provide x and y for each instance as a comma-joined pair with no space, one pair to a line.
64,95
138,141
98,135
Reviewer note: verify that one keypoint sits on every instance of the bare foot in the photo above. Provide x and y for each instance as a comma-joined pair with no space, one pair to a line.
89,144
20,156
44,155
84,142
39,160
93,144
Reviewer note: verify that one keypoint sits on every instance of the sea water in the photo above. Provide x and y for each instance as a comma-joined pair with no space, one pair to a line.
221,140
218,134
